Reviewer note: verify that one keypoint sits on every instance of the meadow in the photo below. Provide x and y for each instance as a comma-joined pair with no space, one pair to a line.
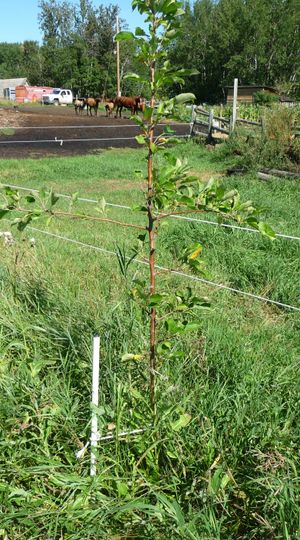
232,472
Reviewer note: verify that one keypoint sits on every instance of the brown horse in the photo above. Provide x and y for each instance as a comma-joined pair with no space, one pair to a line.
92,103
128,102
109,107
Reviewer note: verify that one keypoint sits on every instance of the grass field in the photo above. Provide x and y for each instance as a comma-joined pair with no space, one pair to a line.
233,471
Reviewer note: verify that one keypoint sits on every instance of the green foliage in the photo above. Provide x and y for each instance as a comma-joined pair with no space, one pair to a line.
263,98
274,146
213,461
257,41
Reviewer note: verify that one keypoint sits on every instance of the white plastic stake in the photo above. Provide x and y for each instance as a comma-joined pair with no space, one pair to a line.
95,402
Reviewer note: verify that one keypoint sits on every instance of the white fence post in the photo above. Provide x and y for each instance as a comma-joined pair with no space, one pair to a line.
95,402
210,123
193,118
234,105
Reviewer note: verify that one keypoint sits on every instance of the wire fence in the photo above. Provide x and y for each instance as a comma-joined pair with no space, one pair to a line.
61,140
185,218
169,270
98,126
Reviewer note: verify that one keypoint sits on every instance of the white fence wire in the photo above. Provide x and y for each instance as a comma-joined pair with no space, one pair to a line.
94,139
185,218
97,126
168,270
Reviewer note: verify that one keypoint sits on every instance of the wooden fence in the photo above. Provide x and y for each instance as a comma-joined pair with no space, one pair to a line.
208,125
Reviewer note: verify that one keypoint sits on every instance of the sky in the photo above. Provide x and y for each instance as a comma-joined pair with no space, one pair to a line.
19,18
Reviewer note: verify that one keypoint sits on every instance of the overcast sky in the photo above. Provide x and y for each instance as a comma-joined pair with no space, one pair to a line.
19,18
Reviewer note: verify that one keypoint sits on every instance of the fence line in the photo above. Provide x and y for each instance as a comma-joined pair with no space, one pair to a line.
98,126
210,126
61,141
185,218
169,270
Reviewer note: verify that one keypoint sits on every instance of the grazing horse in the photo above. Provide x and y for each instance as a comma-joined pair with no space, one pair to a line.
79,105
129,102
109,107
92,103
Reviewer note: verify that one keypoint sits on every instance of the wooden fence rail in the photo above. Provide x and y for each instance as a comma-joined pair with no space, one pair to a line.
208,125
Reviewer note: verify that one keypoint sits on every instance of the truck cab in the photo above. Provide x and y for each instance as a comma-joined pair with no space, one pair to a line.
59,96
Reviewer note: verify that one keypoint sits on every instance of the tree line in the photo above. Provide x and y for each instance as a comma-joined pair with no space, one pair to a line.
257,41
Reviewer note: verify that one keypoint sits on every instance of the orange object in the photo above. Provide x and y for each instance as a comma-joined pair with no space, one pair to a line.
30,94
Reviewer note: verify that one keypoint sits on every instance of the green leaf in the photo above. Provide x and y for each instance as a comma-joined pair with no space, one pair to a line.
132,76
135,393
124,36
184,98
142,237
53,198
153,148
266,230
166,345
174,327
129,356
30,198
139,31
155,299
183,421
148,113
3,212
140,139
189,327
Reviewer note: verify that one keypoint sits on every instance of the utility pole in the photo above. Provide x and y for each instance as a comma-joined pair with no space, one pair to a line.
118,62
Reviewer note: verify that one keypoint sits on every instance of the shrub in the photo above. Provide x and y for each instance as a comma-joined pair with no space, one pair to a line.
273,146
263,98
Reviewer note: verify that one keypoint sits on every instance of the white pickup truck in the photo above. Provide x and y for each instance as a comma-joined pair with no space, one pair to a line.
59,96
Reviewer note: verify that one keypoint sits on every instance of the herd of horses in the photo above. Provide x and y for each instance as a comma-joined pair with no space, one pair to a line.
133,103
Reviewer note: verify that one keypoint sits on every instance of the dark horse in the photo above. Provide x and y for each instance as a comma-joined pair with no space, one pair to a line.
128,102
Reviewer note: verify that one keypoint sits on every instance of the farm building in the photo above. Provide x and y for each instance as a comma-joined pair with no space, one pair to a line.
246,93
8,87
25,93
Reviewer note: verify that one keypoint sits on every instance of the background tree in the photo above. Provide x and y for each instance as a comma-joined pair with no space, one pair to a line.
11,60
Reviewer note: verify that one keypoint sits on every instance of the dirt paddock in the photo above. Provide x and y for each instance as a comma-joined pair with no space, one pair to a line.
23,129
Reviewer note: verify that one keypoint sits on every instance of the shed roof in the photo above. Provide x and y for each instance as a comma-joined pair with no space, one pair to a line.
11,83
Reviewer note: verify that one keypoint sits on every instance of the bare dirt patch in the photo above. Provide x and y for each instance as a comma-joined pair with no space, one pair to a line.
10,118
47,131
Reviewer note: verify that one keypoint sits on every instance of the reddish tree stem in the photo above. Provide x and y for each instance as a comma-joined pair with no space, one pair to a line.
151,234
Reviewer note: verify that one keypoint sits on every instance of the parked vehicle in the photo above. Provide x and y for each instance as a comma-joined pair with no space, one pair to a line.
59,96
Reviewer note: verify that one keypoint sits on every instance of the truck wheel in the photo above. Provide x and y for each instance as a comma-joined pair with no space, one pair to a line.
56,102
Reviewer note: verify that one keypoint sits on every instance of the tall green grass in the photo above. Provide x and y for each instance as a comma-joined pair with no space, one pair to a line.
233,470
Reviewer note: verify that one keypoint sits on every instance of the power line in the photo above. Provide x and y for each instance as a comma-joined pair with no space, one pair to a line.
185,218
